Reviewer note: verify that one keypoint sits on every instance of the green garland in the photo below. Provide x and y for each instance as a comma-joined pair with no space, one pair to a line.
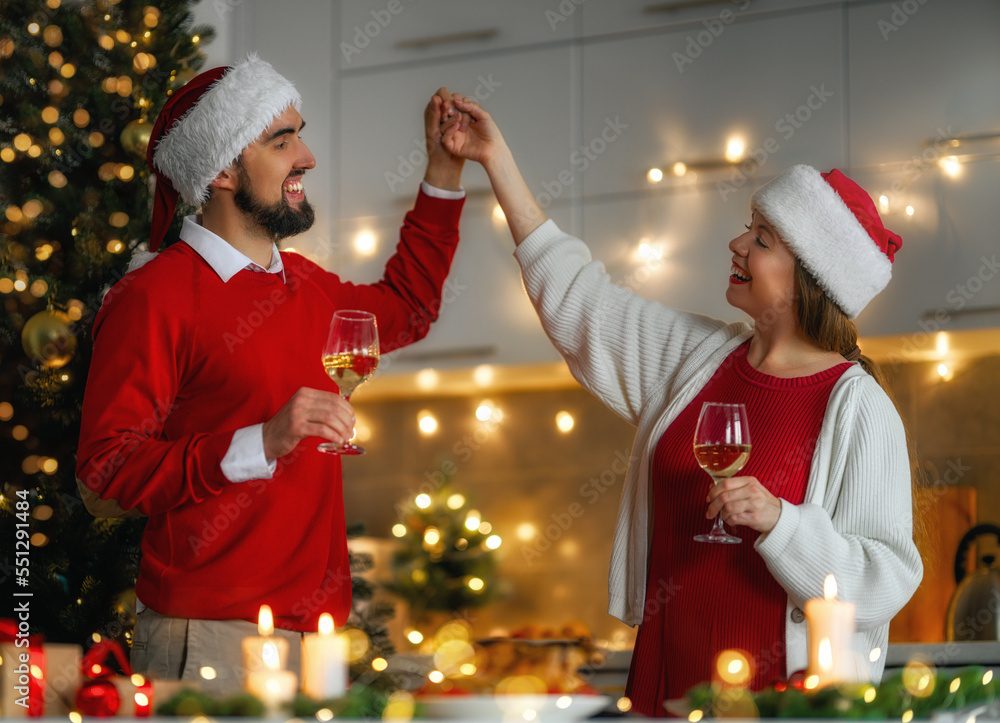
905,695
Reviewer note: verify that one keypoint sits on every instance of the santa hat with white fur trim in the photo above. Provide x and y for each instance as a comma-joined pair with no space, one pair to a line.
205,126
832,226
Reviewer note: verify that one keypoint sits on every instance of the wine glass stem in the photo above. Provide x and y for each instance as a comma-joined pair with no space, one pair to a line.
717,528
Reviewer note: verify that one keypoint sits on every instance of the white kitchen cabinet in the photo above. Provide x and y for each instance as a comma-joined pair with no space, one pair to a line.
606,17
405,32
528,93
925,73
792,113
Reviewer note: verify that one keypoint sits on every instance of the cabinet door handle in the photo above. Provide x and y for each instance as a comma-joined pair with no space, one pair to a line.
428,42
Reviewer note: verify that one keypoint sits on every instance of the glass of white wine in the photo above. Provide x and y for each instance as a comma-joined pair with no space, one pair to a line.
722,447
350,357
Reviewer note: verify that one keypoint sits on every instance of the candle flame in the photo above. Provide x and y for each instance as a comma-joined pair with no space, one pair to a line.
265,623
325,624
830,587
825,655
269,654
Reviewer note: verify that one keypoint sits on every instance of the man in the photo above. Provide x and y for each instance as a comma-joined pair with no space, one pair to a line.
207,397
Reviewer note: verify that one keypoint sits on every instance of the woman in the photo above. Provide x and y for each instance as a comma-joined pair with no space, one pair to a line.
827,488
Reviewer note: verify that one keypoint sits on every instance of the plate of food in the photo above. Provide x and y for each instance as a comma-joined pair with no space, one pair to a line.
512,707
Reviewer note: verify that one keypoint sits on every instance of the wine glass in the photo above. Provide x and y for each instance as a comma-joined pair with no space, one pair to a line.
350,357
722,447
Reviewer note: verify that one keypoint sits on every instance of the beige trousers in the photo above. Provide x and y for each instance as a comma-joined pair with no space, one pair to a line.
180,648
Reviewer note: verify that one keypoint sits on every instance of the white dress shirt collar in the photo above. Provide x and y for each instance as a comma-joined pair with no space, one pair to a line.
224,259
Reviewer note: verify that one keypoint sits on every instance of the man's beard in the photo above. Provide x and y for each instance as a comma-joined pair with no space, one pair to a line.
279,220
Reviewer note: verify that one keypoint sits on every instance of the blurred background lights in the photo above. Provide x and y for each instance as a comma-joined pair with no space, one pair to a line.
427,422
435,676
650,252
473,520
207,672
883,203
399,530
483,375
455,501
493,542
526,531
944,372
380,664
427,379
423,501
415,637
909,210
432,536
624,704
734,149
324,714
655,175
498,214
951,166
364,243
733,667
695,716
485,528
476,584
679,169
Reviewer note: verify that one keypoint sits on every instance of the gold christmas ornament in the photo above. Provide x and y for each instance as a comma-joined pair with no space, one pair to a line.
135,137
48,338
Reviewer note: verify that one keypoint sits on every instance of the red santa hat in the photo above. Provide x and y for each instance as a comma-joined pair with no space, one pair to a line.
832,226
205,126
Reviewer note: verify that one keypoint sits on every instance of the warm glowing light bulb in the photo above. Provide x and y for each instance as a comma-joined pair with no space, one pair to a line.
435,676
427,379
943,370
472,521
423,501
364,243
207,672
951,166
734,149
484,411
415,637
483,375
432,536
380,664
427,423
493,542
476,584
655,175
909,210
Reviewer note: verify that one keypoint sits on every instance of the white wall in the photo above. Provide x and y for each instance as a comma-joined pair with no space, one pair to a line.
866,84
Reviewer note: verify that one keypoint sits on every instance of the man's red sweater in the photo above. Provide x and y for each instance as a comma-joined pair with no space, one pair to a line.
181,361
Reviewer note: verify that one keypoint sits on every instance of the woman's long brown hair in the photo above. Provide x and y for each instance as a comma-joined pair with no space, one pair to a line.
829,328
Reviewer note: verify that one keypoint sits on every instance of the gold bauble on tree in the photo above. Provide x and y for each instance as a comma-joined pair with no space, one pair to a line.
48,338
135,137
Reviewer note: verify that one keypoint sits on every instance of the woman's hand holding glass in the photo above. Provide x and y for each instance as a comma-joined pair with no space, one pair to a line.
744,501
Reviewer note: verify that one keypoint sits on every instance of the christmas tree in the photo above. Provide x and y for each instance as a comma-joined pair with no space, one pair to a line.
80,85
446,561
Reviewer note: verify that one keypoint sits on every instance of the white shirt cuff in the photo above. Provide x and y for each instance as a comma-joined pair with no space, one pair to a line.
436,192
245,458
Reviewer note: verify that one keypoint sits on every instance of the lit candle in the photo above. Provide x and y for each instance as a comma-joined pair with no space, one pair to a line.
830,626
253,647
274,687
324,662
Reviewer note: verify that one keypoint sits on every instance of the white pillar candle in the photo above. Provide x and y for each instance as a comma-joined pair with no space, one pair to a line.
324,662
830,625
253,646
274,687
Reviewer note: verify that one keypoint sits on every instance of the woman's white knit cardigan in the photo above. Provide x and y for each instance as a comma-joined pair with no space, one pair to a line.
647,362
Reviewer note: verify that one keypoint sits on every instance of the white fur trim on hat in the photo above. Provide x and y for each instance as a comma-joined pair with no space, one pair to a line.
227,118
812,218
